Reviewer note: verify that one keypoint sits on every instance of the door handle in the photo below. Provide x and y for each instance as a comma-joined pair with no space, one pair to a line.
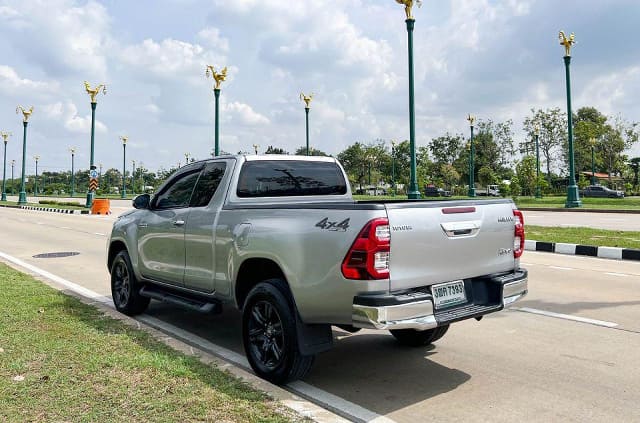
178,222
142,225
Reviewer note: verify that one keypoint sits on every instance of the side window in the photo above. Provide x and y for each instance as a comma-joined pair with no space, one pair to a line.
208,184
178,193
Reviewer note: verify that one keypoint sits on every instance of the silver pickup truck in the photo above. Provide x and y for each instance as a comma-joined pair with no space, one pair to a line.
281,239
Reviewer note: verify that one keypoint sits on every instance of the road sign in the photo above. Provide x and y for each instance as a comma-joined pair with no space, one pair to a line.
93,173
93,184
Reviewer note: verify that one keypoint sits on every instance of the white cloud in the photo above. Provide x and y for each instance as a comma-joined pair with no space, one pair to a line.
211,36
67,114
244,114
11,82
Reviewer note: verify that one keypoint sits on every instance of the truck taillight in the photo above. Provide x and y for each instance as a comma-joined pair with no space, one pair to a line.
518,240
368,257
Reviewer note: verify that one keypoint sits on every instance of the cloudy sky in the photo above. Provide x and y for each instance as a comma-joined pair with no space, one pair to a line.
496,59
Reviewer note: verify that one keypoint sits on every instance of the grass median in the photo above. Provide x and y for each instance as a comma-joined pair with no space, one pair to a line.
584,236
558,202
62,360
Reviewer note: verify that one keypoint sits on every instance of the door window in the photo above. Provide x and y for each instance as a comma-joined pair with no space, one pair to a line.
207,184
177,194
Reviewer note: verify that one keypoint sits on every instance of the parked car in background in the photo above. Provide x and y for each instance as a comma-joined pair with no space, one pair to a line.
600,191
433,191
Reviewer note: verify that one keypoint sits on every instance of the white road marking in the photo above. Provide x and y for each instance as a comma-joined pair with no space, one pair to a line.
64,227
561,268
318,396
99,233
624,275
566,317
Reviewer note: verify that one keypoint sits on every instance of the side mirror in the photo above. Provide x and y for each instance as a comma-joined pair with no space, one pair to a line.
142,201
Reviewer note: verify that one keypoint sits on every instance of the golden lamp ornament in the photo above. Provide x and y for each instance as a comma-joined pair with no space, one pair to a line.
26,114
567,42
307,99
93,92
219,77
408,4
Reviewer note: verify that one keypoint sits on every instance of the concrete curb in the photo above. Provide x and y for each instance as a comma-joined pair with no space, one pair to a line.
615,253
579,210
55,210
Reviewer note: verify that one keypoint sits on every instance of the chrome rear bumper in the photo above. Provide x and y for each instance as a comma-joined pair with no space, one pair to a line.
415,310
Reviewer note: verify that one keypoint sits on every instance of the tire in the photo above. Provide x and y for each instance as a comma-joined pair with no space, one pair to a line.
419,338
269,334
125,287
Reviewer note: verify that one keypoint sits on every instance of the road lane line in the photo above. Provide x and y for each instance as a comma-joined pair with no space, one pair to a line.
316,395
624,275
561,268
566,317
99,233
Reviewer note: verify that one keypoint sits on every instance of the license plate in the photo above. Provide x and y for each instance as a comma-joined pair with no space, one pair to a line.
448,294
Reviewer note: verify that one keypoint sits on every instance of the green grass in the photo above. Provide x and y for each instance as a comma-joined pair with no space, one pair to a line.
584,236
55,206
587,203
80,365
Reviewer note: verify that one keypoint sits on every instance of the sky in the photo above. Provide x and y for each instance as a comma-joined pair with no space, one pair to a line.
496,59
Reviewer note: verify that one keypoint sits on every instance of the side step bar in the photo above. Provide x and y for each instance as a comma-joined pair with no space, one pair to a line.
202,306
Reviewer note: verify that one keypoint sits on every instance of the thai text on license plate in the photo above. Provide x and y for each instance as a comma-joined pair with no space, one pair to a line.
448,294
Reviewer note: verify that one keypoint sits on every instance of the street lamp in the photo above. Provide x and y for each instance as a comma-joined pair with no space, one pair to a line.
133,175
472,151
218,77
573,196
414,190
536,132
5,137
93,93
255,148
13,191
393,167
307,105
186,158
35,187
124,166
592,141
22,197
72,150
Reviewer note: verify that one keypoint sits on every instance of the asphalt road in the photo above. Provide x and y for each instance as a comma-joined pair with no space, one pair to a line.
579,364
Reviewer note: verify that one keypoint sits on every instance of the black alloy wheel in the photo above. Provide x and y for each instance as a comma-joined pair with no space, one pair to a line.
266,336
125,287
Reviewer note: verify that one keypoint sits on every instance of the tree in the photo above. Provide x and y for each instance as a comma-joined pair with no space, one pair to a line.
502,136
275,150
449,174
526,175
446,149
553,134
486,176
302,151
620,137
589,124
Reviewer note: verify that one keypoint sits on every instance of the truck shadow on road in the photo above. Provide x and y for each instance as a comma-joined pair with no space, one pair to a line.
368,368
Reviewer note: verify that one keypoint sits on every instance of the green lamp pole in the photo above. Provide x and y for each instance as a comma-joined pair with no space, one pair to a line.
255,148
573,196
307,105
393,168
133,177
5,137
35,189
93,93
22,196
218,77
72,150
536,132
413,191
13,188
592,141
472,152
124,166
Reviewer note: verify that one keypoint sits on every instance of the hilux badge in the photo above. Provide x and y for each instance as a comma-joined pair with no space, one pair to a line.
505,219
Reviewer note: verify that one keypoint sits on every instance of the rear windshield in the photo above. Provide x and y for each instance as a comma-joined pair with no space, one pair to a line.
280,178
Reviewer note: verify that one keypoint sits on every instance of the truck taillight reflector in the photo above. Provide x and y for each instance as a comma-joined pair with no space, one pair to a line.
454,210
518,240
368,257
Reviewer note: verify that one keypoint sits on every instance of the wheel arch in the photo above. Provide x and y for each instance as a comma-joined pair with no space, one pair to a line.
114,248
253,271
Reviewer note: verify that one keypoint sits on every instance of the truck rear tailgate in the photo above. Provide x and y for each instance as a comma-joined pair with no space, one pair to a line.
442,241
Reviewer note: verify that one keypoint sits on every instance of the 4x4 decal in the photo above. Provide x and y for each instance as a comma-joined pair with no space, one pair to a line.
333,226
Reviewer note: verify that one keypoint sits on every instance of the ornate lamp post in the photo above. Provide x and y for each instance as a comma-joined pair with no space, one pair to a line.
472,152
393,168
72,150
307,105
186,158
133,176
22,197
124,166
93,93
218,77
13,163
536,132
5,136
573,196
414,191
255,148
593,141
35,187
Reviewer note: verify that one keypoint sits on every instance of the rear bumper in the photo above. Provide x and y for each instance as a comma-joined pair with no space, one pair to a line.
415,310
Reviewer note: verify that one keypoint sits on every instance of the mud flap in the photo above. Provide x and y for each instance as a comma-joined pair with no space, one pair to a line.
313,338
